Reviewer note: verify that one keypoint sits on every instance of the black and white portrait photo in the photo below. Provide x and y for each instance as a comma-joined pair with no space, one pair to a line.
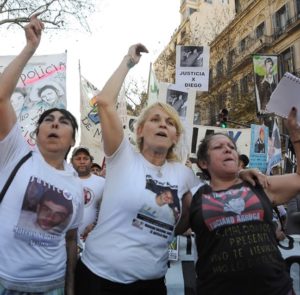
178,100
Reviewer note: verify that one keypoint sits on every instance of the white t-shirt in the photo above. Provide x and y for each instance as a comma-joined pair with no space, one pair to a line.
130,241
29,254
93,190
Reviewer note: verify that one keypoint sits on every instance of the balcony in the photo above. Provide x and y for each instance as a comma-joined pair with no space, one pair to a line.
254,45
290,24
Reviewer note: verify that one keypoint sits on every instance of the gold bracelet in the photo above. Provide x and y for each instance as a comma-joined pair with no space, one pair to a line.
296,141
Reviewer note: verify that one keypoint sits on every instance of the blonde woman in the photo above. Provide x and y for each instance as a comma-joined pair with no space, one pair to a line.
127,253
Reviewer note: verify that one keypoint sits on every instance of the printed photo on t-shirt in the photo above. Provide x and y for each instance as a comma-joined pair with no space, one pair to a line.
166,194
45,214
159,215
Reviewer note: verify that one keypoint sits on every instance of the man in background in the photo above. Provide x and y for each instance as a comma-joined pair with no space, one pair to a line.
93,186
96,169
243,161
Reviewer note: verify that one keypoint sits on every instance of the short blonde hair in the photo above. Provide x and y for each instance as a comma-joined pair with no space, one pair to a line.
171,155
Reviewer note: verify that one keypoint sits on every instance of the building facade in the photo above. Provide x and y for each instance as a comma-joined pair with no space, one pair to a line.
201,22
269,27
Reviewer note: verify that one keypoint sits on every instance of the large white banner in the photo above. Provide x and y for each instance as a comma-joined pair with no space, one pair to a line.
192,67
241,137
42,86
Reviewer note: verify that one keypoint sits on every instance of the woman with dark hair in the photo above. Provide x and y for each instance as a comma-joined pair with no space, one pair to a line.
232,220
33,261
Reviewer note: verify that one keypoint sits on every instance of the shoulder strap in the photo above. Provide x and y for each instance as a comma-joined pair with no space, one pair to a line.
279,216
13,173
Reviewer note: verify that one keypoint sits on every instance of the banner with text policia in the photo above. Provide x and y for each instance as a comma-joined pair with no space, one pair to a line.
42,86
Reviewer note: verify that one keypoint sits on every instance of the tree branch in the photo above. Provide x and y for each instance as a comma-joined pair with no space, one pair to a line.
55,13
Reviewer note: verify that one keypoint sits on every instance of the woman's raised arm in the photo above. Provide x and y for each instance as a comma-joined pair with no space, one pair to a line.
112,129
10,76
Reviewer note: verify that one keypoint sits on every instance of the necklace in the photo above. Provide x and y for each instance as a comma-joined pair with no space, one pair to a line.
159,173
154,168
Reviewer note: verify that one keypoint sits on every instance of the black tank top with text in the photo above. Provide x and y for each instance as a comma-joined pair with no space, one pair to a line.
236,244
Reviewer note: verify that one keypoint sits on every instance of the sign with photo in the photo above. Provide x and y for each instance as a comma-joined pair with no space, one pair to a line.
259,147
192,67
265,79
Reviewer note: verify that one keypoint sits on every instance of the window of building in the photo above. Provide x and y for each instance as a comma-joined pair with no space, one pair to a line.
243,45
281,18
260,30
234,91
221,101
230,60
210,77
208,1
298,7
192,10
238,7
287,60
182,34
212,113
220,68
244,85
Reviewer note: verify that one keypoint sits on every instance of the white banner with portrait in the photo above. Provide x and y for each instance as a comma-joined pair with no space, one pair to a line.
42,86
192,67
91,133
90,123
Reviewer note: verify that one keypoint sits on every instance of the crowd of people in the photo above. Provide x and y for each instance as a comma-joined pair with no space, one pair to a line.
79,228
